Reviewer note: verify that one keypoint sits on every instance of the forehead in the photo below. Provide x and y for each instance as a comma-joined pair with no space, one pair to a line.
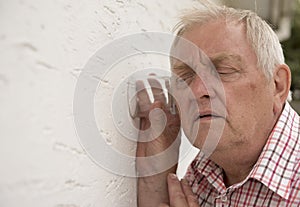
221,37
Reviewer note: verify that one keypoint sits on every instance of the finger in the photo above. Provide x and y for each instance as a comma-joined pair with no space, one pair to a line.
143,100
157,118
190,196
157,91
176,194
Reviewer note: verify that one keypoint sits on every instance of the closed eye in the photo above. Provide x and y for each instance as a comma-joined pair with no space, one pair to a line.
183,80
227,73
184,77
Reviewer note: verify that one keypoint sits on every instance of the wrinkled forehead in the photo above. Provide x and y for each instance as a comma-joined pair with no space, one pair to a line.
205,45
195,57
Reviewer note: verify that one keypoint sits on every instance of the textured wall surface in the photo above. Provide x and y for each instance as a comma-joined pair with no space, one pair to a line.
43,48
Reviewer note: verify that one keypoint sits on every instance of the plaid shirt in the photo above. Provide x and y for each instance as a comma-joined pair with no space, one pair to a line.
273,181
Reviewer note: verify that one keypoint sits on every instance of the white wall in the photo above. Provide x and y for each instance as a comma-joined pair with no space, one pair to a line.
44,44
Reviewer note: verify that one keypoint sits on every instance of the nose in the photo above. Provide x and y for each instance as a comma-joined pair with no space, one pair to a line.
202,88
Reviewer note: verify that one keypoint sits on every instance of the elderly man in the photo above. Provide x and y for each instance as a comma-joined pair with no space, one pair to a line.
256,158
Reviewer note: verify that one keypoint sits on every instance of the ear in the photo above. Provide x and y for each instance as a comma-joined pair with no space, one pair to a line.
282,82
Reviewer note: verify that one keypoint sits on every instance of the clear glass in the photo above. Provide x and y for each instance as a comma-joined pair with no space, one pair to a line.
165,82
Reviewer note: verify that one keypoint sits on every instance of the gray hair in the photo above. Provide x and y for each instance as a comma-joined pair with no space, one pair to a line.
260,35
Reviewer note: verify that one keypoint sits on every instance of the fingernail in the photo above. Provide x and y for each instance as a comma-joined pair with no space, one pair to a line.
172,176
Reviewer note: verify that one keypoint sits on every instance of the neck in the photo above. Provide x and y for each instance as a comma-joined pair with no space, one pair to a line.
236,174
236,165
238,159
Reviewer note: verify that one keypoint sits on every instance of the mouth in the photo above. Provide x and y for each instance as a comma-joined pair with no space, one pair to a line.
207,116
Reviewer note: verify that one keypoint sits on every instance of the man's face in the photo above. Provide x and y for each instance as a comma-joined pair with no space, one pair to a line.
247,109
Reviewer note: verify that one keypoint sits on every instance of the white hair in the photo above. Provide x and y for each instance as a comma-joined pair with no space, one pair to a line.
260,35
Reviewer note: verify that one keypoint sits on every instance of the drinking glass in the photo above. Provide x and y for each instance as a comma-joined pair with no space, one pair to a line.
132,98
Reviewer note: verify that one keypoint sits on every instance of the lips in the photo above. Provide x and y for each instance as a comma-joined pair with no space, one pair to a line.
207,115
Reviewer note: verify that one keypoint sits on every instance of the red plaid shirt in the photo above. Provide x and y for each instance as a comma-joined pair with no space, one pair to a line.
273,181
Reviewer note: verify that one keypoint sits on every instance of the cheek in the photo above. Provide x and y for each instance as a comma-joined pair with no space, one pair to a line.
182,106
245,93
187,111
252,86
241,102
249,103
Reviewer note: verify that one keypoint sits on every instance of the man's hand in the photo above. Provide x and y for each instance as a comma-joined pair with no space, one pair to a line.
180,193
159,129
158,126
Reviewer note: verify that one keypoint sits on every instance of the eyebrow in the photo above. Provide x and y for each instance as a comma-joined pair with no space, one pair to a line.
226,57
180,66
216,59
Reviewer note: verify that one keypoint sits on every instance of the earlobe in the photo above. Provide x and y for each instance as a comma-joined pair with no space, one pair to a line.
282,82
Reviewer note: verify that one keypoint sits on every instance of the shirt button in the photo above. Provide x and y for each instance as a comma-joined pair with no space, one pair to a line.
224,198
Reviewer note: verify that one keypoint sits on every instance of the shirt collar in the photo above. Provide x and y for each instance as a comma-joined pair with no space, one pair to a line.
276,166
202,166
